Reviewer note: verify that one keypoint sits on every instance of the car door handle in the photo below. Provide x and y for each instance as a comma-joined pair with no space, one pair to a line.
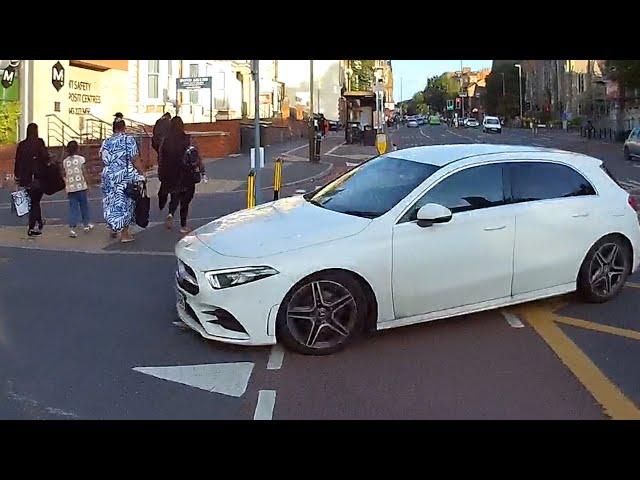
579,215
491,229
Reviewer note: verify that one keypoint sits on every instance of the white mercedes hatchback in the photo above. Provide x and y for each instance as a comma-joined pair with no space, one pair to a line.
407,237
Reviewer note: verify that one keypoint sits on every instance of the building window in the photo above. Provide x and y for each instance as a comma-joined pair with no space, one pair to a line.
193,95
152,78
170,67
219,91
580,82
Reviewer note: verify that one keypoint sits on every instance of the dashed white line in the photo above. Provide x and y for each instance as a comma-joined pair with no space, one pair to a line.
276,357
512,319
334,148
265,405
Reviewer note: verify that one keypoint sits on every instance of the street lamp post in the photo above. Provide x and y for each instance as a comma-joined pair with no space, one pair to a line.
519,67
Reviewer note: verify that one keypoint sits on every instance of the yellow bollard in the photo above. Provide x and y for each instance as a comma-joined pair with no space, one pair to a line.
251,189
277,179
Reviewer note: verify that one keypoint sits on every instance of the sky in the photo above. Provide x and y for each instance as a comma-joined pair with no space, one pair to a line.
411,75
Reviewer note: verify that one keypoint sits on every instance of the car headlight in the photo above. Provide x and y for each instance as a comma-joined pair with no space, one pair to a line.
231,277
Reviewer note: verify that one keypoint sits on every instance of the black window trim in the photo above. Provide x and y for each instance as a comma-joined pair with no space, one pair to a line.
505,182
508,179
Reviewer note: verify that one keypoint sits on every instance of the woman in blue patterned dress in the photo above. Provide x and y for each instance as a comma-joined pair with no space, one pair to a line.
118,155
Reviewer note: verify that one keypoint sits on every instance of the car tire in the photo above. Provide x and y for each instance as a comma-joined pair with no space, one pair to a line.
604,270
627,154
500,130
307,322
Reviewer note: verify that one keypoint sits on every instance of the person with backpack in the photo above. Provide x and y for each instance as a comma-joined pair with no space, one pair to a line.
179,171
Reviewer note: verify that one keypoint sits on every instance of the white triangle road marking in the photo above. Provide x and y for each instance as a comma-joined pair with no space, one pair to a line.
226,378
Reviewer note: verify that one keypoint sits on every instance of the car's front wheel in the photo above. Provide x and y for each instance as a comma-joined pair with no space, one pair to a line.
322,314
627,154
604,270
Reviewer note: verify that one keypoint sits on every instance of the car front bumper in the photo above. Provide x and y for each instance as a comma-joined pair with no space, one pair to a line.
243,315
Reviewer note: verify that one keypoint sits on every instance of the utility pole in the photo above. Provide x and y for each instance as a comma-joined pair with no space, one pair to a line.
311,128
461,89
257,156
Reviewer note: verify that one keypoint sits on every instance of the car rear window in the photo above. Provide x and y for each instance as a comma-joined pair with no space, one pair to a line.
492,121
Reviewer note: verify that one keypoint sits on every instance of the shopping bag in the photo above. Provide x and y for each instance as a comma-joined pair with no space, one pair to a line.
20,202
143,206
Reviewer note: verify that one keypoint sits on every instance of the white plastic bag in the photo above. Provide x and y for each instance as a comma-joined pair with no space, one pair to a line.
21,202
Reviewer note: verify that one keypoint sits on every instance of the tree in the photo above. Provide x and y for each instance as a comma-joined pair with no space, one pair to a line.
495,102
627,74
363,77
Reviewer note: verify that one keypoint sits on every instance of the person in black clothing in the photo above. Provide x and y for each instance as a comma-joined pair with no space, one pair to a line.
174,179
31,159
160,130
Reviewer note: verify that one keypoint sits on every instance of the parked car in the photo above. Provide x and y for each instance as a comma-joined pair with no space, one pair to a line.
491,124
411,236
334,125
413,123
471,122
632,144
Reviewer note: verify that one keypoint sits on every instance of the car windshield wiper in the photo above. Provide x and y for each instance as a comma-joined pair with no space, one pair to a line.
361,213
314,202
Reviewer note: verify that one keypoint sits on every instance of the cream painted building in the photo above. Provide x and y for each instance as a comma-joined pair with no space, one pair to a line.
152,90
326,89
66,97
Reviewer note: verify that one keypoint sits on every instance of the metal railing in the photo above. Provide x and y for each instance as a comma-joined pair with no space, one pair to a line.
60,132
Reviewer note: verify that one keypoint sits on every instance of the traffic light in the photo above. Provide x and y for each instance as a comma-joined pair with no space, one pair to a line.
458,103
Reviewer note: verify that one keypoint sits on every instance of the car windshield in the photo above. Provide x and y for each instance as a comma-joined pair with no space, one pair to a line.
373,188
492,121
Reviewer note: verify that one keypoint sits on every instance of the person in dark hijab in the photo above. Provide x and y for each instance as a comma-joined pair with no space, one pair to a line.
31,159
160,130
118,116
174,178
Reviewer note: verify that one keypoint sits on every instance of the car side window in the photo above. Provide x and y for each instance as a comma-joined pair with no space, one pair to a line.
531,181
469,189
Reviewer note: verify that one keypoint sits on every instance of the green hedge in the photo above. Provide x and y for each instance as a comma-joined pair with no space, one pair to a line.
9,114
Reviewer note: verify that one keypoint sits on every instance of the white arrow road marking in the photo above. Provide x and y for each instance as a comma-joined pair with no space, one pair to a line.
225,378
265,405
276,357
512,319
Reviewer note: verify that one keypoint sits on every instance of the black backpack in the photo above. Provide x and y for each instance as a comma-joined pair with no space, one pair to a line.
191,164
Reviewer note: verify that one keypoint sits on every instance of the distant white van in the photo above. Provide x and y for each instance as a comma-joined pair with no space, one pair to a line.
491,124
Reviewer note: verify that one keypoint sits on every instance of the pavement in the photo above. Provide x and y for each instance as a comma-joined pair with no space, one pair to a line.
88,330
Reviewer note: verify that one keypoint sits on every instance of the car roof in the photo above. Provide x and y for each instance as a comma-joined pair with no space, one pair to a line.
441,155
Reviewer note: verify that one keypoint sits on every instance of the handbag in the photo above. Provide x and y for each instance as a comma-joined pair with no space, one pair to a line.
133,190
53,179
143,206
20,202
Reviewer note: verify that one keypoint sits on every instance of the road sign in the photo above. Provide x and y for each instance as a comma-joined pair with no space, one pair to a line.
449,104
193,83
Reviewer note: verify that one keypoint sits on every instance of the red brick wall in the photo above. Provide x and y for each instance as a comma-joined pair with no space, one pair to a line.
214,146
7,156
230,126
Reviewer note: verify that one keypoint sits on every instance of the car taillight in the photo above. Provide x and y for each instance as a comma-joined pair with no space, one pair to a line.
633,201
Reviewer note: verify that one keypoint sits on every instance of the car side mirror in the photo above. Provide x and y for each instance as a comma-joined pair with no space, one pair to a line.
433,213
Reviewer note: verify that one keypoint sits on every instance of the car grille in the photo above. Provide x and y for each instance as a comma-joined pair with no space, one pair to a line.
186,278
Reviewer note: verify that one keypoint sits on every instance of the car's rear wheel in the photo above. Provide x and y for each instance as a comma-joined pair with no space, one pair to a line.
322,314
604,270
627,154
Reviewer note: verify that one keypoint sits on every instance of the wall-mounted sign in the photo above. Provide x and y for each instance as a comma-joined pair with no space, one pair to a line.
193,83
8,76
57,76
82,96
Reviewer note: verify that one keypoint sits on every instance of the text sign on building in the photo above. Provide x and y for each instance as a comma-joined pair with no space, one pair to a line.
193,83
57,76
